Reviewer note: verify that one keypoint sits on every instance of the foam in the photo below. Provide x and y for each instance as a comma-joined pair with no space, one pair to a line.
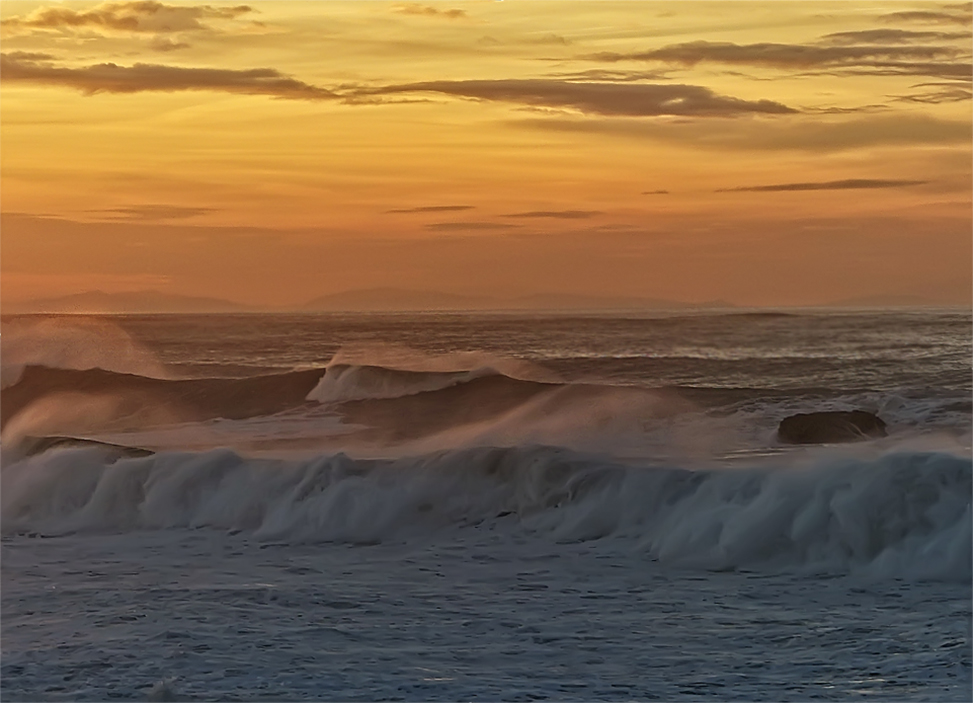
902,514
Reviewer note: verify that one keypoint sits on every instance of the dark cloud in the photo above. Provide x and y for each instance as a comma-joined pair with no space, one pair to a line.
636,100
936,93
111,78
558,214
429,11
889,36
848,184
461,226
930,17
152,213
886,60
655,192
780,55
433,208
138,16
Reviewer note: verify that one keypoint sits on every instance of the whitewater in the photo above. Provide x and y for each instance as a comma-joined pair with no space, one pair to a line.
484,506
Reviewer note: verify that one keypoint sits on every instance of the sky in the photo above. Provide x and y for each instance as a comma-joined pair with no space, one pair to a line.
778,153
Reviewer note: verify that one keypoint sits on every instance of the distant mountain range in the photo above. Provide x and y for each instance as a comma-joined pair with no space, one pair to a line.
390,300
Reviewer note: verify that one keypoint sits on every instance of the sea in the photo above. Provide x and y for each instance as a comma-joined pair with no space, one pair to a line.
485,506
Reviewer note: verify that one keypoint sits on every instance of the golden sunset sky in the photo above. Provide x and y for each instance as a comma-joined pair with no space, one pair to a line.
773,153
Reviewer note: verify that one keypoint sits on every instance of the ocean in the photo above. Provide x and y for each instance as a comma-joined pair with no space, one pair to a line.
485,506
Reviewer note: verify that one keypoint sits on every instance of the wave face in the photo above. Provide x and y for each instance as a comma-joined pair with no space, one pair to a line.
343,382
903,514
125,395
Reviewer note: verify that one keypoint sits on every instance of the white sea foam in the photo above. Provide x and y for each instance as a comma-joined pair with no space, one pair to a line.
902,514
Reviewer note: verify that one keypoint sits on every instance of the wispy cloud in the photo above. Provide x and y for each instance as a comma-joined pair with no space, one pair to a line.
461,226
938,61
429,11
558,214
937,93
152,213
28,56
432,208
889,36
141,77
779,55
159,43
636,100
931,17
136,16
603,75
655,192
815,136
847,184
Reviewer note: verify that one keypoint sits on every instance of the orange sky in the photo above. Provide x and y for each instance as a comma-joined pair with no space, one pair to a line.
762,153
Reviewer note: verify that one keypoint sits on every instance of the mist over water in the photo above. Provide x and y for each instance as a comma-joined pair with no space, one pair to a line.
528,488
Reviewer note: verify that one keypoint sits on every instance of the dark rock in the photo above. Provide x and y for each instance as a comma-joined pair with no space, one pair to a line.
834,426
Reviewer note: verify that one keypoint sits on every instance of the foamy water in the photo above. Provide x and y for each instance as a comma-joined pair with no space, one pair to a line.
447,506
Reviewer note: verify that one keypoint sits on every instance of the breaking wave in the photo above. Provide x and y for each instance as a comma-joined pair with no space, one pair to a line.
182,399
905,514
359,382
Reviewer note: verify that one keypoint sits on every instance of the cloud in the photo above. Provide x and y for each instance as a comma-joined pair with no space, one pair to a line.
636,100
937,93
779,55
152,213
159,43
428,11
818,136
549,38
28,56
847,184
136,16
655,192
930,17
542,39
883,60
558,214
432,208
602,75
141,77
461,226
889,36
